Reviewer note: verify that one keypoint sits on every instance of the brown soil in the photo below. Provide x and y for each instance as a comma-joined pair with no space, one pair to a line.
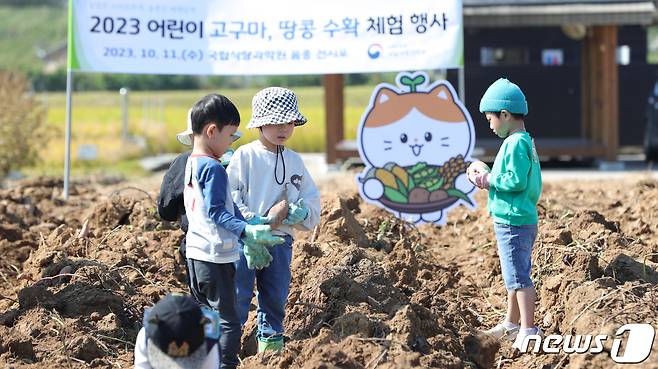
76,301
368,291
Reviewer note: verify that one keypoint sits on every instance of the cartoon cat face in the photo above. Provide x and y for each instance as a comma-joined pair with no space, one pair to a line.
415,127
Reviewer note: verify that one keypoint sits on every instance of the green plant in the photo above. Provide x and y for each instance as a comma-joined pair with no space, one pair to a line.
383,230
22,123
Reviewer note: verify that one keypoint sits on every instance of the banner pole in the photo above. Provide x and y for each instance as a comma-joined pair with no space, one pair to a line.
69,93
462,85
67,152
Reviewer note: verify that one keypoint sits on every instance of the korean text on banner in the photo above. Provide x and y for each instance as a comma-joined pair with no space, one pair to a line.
235,37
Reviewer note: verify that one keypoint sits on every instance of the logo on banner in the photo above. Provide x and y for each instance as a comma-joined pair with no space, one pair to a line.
374,51
416,139
258,37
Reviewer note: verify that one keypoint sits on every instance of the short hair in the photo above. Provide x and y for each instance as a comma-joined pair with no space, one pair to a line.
514,115
214,108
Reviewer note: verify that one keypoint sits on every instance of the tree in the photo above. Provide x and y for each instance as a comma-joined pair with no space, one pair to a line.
32,3
22,123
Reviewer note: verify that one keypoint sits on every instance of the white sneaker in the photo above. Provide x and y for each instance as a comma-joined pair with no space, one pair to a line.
500,331
523,333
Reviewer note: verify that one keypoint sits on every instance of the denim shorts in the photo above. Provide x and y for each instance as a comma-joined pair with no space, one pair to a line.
514,249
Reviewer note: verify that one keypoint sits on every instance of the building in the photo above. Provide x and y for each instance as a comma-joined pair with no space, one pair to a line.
582,64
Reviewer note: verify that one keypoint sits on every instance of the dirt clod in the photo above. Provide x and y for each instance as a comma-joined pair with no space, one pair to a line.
367,290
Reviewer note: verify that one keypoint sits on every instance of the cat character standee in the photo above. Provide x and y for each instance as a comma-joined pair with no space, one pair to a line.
416,146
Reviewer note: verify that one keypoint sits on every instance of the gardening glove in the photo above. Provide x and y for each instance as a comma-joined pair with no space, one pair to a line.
297,212
260,234
225,159
256,220
256,255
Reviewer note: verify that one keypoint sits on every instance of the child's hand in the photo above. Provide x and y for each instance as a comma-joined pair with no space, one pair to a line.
256,220
477,167
256,255
482,180
260,234
297,212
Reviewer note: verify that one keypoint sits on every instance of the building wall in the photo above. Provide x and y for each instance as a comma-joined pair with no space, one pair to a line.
553,91
636,82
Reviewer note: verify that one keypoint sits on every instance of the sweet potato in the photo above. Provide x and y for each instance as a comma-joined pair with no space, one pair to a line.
279,211
419,195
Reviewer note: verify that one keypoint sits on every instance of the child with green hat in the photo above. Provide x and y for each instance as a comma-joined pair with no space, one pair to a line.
514,185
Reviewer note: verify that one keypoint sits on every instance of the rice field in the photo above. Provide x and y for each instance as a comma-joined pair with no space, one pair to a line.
154,118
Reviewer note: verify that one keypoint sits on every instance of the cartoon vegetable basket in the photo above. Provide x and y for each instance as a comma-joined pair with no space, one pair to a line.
416,147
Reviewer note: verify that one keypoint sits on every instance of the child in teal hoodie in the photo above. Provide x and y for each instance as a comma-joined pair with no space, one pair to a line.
514,185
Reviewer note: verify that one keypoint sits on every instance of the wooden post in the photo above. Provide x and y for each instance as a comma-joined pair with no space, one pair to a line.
586,86
611,98
334,118
600,95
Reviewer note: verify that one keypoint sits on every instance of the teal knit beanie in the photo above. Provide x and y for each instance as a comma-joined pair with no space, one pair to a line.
504,95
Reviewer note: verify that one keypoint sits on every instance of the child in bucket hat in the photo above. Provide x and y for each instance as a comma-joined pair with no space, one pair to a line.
177,335
514,185
271,185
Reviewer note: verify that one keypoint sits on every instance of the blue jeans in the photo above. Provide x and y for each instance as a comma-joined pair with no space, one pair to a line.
272,284
213,285
514,250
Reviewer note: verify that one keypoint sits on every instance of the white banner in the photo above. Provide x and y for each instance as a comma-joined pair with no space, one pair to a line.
250,37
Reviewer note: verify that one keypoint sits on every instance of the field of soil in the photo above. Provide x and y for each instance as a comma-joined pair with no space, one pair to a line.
368,291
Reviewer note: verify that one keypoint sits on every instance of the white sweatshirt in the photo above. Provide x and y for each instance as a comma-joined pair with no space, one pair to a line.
142,360
215,223
255,189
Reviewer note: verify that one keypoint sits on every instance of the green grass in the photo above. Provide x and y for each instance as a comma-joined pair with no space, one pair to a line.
129,168
96,120
24,29
652,47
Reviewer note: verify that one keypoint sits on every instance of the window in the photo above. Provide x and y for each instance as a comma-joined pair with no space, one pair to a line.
490,56
623,55
652,45
552,57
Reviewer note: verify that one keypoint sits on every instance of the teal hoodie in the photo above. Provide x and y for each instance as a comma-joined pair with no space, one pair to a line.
515,182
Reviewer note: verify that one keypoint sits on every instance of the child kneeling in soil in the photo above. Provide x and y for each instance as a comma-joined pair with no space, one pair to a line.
514,185
175,335
216,225
271,185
